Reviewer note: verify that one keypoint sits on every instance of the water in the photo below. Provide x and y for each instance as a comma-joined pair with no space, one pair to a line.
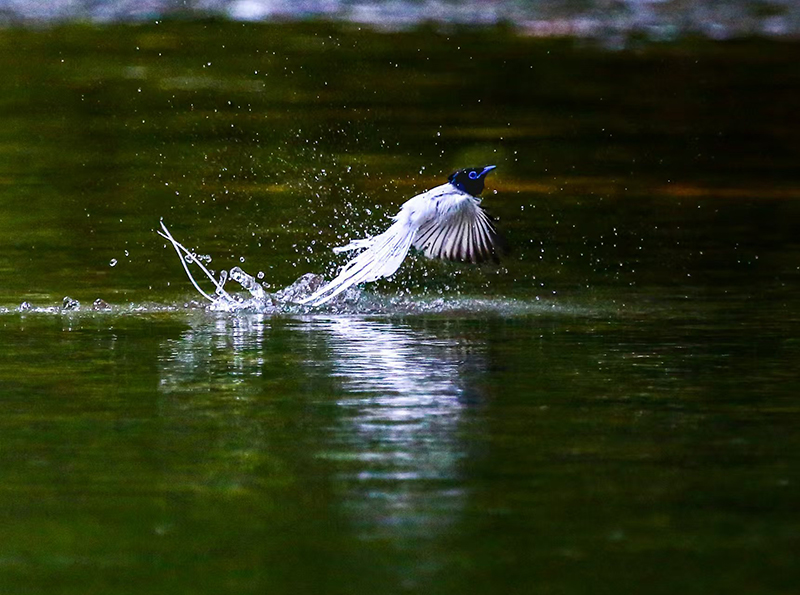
613,409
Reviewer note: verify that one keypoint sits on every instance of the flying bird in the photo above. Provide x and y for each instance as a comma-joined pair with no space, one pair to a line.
446,222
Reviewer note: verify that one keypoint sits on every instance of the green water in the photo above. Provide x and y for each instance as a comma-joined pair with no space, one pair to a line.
611,410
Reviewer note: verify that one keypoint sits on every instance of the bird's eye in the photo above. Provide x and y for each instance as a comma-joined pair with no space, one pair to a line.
473,175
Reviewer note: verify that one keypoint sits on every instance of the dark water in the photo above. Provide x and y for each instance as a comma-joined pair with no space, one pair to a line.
612,410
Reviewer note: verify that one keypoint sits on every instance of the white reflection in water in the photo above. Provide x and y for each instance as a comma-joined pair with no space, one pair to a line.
223,350
399,439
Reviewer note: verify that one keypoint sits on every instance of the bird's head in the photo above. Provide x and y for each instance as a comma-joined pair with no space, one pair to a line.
470,180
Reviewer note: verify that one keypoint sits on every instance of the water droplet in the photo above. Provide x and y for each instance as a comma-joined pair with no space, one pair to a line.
70,304
100,304
113,262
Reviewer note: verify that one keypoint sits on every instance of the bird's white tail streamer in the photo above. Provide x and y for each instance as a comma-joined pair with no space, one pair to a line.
383,256
187,257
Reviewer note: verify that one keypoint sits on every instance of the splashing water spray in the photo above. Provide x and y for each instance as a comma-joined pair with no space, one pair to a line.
259,300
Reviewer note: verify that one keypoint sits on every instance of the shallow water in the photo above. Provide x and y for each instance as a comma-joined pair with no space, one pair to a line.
613,409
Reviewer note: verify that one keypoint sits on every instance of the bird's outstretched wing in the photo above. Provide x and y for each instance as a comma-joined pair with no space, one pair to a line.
460,231
444,223
383,256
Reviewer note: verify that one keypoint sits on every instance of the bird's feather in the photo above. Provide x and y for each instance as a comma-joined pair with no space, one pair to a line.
383,256
462,231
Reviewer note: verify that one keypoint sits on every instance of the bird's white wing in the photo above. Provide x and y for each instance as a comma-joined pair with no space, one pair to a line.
383,256
460,230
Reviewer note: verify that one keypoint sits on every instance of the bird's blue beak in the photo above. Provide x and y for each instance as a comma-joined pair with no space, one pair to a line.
486,170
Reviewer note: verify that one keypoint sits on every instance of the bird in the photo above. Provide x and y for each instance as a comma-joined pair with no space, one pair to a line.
446,222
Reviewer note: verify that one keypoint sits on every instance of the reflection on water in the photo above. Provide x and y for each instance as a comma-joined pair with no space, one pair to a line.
398,435
400,396
400,400
232,345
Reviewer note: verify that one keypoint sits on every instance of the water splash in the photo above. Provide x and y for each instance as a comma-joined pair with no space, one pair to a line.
256,299
249,283
69,303
288,300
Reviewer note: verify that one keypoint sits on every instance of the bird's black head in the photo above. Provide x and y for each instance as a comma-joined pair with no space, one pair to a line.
470,180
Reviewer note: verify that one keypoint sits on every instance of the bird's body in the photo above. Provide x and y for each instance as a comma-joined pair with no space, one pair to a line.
446,222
